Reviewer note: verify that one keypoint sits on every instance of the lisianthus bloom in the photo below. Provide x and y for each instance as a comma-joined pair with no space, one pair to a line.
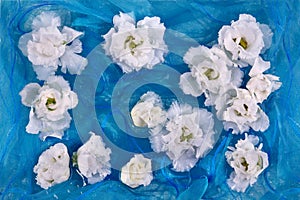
138,171
247,161
188,136
210,72
241,112
47,46
93,159
134,46
53,166
148,111
49,106
245,39
262,85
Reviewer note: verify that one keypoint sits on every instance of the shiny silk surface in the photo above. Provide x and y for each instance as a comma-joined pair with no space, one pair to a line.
199,22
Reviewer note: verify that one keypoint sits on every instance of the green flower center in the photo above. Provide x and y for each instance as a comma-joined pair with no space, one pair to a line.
130,42
50,102
243,42
211,75
245,164
186,134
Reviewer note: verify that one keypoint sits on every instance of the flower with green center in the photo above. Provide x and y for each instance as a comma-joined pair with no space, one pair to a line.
50,102
211,72
48,46
49,106
242,113
247,161
244,39
188,135
134,46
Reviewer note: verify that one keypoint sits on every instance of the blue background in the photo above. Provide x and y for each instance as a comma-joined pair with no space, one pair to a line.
199,20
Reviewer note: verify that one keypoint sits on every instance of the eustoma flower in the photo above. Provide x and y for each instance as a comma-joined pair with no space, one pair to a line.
241,113
262,85
247,161
49,106
245,39
188,136
48,47
135,45
138,171
148,111
92,159
210,73
53,166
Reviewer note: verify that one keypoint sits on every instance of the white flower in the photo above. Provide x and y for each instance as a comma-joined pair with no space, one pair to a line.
211,71
262,85
148,111
53,166
247,161
49,106
92,159
138,171
241,112
47,47
138,46
245,39
189,135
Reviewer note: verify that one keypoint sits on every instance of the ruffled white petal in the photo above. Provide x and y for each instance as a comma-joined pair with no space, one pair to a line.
71,61
23,42
267,36
71,34
46,19
189,85
259,66
44,72
34,125
124,21
29,93
58,83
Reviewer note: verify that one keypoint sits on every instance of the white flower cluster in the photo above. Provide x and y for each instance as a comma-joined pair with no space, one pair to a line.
184,133
247,161
214,72
134,46
49,106
48,47
92,160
